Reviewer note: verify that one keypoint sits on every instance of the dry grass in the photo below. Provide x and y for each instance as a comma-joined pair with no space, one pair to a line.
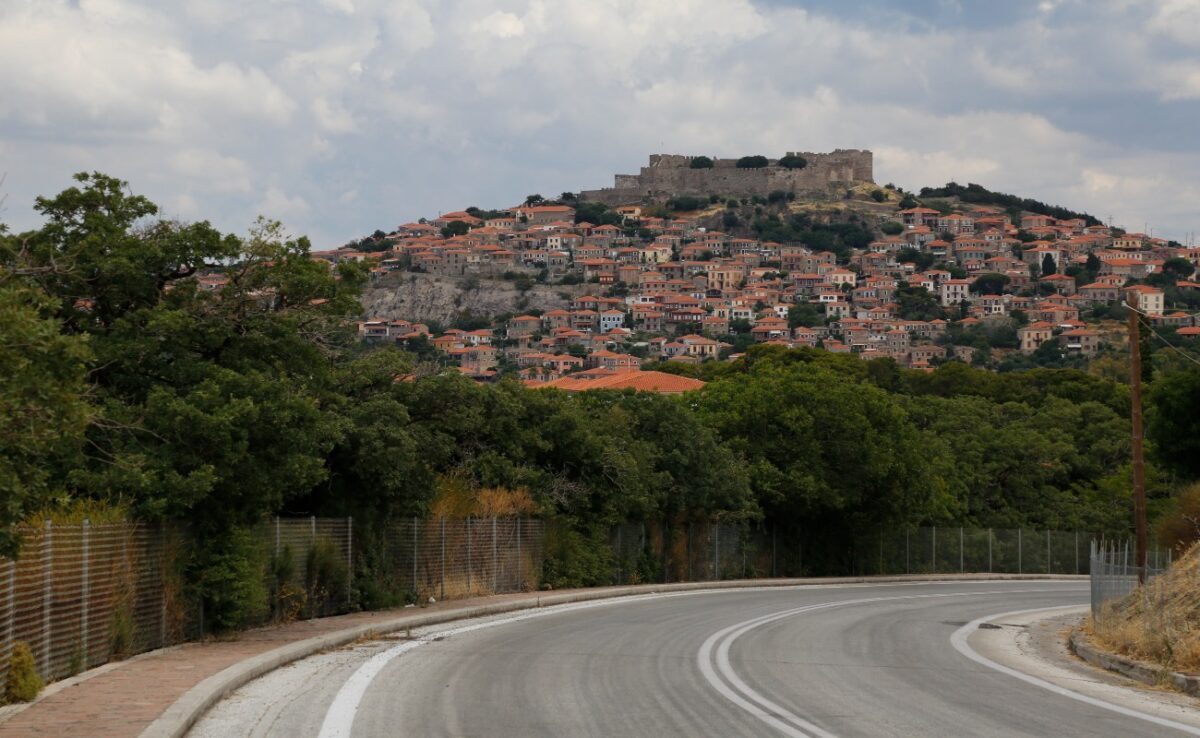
1159,622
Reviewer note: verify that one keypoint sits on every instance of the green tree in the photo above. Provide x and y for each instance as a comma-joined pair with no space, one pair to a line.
1049,265
990,284
752,162
1179,267
892,228
1174,424
793,161
43,405
804,314
917,304
701,162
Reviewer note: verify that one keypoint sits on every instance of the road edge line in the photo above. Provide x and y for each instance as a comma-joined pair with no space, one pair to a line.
959,641
182,715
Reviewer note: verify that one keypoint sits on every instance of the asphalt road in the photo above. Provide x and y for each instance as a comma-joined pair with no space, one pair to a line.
813,661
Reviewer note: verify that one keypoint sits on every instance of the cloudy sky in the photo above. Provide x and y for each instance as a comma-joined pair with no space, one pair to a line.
342,116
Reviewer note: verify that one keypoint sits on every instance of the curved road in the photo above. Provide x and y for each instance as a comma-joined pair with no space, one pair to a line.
870,660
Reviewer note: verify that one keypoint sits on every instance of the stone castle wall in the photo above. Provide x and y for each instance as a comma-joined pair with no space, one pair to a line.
670,175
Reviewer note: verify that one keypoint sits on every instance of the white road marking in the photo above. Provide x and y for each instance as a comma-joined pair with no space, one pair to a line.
725,680
959,641
339,719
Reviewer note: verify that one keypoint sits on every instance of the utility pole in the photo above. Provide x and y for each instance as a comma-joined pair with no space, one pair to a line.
1139,462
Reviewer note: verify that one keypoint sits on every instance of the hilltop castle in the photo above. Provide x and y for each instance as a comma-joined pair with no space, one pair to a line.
670,175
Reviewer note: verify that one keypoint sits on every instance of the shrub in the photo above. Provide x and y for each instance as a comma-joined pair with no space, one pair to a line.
892,228
230,581
686,202
576,558
326,577
793,161
121,633
752,162
701,162
24,683
878,195
777,196
287,599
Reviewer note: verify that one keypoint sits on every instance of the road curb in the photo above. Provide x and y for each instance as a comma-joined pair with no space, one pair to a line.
179,718
1139,671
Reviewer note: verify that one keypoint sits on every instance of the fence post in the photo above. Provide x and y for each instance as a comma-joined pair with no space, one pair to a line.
520,561
933,551
442,591
414,581
47,595
880,572
774,559
744,557
1020,551
1048,552
312,523
906,567
12,608
349,558
1076,552
162,574
495,560
618,556
961,568
470,555
989,550
716,551
276,536
84,595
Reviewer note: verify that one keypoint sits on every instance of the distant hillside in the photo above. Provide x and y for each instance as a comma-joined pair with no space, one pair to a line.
979,195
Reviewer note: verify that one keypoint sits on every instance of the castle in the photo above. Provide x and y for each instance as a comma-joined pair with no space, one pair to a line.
671,175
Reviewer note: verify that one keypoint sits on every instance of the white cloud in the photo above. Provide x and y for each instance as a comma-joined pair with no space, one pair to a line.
212,170
501,25
348,115
278,205
1178,20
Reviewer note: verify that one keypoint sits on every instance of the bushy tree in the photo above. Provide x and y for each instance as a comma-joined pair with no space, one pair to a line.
752,162
701,162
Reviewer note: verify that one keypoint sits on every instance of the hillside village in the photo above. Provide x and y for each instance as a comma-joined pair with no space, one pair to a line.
875,272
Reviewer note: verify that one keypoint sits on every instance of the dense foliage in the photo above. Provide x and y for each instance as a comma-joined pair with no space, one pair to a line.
979,194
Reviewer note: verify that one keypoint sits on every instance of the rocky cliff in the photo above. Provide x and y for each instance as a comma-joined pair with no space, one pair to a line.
429,297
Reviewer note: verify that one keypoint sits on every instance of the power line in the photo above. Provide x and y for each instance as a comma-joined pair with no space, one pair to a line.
1162,338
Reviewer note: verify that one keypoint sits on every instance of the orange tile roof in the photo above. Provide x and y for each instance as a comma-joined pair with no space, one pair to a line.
642,381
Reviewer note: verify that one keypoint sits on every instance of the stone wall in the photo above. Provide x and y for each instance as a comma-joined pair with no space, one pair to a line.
669,175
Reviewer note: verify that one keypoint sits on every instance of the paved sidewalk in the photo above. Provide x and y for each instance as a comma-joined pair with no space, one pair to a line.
122,702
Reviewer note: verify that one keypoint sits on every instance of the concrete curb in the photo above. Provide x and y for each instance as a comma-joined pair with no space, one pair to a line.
179,718
1139,671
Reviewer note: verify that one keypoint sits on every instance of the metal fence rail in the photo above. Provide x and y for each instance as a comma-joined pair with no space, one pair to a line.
83,594
707,551
1115,575
446,559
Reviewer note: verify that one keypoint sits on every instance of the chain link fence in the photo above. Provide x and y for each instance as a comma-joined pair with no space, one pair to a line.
1115,573
81,595
660,552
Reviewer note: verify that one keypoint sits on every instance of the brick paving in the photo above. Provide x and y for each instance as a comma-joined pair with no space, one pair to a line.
122,702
